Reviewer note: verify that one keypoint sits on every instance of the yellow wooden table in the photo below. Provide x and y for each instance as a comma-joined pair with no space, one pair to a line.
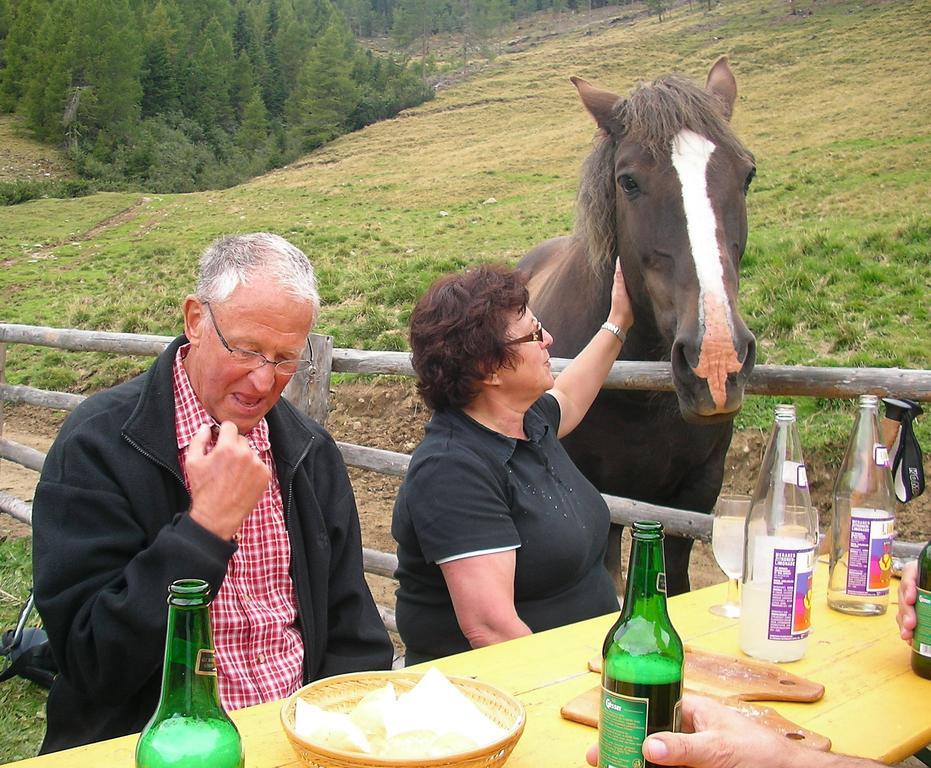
873,706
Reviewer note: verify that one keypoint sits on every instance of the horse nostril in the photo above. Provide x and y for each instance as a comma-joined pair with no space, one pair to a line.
679,355
749,358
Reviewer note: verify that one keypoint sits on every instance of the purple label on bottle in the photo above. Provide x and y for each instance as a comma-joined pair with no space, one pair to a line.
790,596
869,553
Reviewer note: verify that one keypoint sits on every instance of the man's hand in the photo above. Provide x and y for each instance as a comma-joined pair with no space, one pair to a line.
714,736
227,482
908,594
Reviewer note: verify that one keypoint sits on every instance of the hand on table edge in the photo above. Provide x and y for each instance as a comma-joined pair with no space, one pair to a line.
714,736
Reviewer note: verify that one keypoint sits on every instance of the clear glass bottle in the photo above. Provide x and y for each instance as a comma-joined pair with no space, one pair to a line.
779,551
921,640
643,658
862,520
190,727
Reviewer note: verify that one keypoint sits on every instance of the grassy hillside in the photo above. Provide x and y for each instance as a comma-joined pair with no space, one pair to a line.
837,266
22,159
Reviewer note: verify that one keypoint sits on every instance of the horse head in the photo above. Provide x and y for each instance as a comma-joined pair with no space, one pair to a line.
664,191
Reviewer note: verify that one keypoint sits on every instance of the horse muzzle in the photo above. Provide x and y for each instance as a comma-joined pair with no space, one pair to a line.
710,381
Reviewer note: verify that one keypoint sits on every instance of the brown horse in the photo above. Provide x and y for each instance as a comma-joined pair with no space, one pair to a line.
664,190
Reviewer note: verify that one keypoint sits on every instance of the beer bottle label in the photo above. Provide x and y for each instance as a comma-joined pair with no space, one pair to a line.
921,640
869,552
206,663
790,594
621,730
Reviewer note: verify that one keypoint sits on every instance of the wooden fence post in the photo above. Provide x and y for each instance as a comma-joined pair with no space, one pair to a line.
311,394
2,380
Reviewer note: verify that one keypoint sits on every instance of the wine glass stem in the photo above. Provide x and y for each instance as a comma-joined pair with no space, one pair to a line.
732,591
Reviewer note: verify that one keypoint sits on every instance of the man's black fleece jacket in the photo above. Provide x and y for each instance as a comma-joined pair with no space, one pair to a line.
111,532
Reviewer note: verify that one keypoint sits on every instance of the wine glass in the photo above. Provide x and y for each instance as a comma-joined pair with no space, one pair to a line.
727,544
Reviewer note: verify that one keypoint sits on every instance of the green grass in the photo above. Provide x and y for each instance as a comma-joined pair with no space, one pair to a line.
22,703
25,160
833,105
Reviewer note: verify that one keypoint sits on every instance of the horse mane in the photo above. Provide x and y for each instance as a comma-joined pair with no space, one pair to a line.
651,115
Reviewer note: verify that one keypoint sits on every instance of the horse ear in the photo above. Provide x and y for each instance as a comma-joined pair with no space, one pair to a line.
600,104
722,84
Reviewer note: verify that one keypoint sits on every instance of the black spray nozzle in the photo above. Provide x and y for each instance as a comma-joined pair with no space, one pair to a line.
900,408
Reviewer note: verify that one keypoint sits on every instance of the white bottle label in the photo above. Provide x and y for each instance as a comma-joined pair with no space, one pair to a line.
869,552
794,473
880,455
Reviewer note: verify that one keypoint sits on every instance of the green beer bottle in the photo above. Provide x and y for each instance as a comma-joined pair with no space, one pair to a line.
921,641
641,678
190,727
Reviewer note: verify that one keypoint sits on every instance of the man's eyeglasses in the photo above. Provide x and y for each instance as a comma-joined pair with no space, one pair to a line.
250,360
535,335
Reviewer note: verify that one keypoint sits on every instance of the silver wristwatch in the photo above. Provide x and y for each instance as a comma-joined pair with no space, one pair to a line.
616,330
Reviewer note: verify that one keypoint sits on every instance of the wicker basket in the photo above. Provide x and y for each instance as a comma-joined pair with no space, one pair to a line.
342,692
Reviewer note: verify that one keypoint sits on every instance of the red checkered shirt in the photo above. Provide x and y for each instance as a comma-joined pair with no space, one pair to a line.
259,653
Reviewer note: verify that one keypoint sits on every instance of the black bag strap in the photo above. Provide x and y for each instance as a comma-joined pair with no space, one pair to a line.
13,637
27,651
907,471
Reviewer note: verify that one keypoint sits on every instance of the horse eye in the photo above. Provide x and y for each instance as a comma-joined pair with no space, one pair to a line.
750,177
628,184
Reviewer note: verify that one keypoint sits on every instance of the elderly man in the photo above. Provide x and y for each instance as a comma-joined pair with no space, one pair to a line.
197,469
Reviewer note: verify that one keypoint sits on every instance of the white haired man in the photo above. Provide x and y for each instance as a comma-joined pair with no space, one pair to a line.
198,469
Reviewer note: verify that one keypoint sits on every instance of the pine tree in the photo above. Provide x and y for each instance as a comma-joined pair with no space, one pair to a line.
293,43
243,39
20,54
273,90
253,131
106,67
414,22
46,79
658,7
242,85
209,92
160,79
326,96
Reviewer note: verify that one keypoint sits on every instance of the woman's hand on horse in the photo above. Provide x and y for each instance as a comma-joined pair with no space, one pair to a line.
579,383
621,312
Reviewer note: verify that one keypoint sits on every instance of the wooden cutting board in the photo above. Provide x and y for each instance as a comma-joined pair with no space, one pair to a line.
726,677
584,709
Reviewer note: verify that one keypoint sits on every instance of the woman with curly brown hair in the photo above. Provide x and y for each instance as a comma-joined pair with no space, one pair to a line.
499,534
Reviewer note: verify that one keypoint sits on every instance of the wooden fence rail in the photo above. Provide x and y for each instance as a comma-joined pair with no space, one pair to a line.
678,522
623,511
765,380
312,398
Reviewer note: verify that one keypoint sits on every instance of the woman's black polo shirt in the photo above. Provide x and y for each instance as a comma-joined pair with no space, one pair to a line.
470,489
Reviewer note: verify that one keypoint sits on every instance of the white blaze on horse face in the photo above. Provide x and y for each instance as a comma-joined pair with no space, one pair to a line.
717,357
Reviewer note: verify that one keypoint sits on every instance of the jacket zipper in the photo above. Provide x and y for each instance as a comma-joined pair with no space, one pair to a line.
157,461
297,602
